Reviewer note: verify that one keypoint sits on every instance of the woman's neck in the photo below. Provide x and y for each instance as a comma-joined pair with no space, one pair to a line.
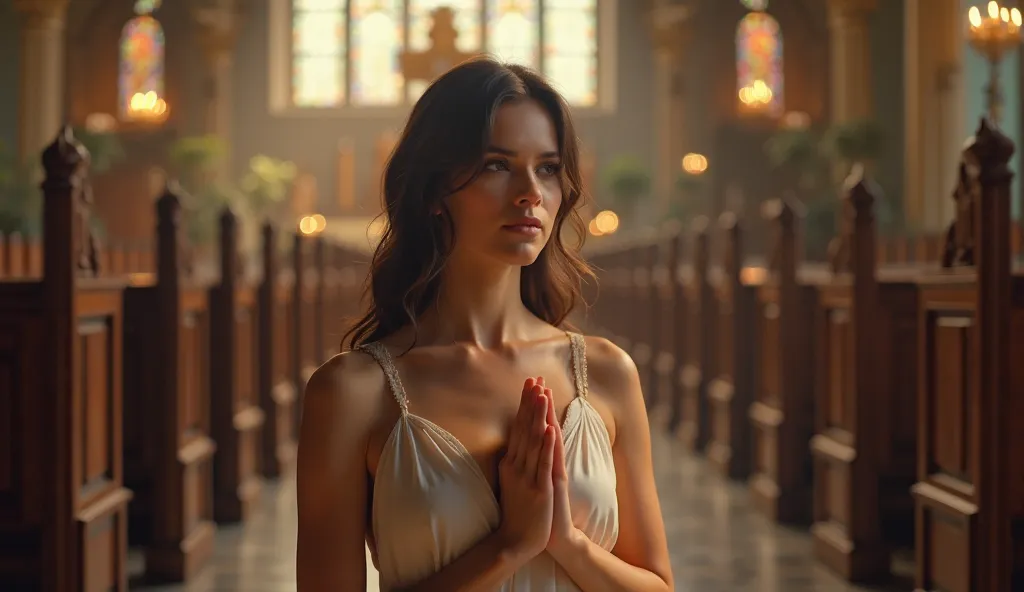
478,305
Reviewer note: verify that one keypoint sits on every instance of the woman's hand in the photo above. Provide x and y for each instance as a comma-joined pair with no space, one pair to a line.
524,475
563,532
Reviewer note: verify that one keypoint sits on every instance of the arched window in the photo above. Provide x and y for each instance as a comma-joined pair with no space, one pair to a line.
758,5
346,53
759,64
141,75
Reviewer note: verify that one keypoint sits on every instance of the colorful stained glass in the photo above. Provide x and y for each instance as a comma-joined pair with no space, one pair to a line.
570,48
318,53
377,37
346,51
759,5
467,23
512,31
759,57
142,61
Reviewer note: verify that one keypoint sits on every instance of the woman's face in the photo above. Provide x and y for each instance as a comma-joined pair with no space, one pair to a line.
508,212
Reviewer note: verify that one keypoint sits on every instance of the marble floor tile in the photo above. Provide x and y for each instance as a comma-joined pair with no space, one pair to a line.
718,543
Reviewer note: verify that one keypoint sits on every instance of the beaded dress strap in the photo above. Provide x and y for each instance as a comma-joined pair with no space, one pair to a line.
387,363
578,347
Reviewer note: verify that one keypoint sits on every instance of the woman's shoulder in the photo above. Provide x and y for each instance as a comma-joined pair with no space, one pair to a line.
611,372
351,382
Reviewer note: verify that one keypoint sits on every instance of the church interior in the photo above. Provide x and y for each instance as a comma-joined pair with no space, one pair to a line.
805,217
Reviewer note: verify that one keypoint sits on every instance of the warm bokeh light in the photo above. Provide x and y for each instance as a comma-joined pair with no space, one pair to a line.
147,106
605,222
796,120
756,95
314,224
695,164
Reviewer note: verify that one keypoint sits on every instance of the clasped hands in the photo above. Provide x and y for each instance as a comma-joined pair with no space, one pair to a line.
533,479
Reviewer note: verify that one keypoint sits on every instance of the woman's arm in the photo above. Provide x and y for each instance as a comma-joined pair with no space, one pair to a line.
337,417
640,560
483,568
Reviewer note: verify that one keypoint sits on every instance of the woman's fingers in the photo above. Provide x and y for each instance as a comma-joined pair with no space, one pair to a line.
535,436
552,417
515,436
545,463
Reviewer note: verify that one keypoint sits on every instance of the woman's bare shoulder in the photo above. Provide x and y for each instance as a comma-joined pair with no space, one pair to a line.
350,384
611,372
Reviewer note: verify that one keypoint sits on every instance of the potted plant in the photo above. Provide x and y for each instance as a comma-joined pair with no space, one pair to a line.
628,181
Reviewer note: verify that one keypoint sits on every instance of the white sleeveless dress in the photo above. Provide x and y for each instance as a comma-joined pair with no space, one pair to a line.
432,502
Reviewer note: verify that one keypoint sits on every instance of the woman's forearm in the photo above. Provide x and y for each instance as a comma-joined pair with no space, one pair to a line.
484,567
596,570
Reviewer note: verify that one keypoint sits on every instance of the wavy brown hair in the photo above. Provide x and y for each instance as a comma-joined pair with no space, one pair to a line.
445,138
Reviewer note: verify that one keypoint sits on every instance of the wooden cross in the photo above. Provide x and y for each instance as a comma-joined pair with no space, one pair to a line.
442,54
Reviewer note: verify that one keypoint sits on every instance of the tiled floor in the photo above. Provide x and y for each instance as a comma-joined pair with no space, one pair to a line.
718,544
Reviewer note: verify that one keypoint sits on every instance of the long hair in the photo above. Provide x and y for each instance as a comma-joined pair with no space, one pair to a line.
445,138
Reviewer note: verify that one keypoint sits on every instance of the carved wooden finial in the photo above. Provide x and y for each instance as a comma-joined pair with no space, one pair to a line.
66,164
171,241
856,214
990,151
860,191
783,213
728,221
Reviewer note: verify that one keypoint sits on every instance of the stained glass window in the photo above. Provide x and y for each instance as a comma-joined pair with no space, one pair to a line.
376,41
141,62
759,62
467,23
512,30
758,5
347,52
570,48
319,52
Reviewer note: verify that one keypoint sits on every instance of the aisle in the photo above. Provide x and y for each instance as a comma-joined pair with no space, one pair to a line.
718,543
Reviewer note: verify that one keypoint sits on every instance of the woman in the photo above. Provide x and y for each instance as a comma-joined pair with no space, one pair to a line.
417,441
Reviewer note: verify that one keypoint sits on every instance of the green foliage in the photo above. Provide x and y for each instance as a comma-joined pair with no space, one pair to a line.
266,184
105,149
259,195
20,195
849,143
627,179
690,200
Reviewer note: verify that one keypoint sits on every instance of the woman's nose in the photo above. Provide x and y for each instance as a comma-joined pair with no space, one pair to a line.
530,196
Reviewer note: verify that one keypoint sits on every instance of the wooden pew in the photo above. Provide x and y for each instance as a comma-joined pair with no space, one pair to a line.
62,500
782,414
969,494
677,335
168,445
731,389
664,313
865,436
278,391
236,415
698,358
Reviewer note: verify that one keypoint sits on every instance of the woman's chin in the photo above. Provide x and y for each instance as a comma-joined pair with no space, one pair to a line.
521,254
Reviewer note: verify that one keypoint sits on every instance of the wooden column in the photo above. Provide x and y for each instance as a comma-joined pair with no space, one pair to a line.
671,32
41,78
849,22
218,23
991,153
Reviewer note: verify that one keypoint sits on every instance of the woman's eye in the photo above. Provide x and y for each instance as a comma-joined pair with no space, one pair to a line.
496,165
549,169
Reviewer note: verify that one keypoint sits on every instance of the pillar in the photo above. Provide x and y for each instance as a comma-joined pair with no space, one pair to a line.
849,27
218,23
671,32
933,109
41,78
